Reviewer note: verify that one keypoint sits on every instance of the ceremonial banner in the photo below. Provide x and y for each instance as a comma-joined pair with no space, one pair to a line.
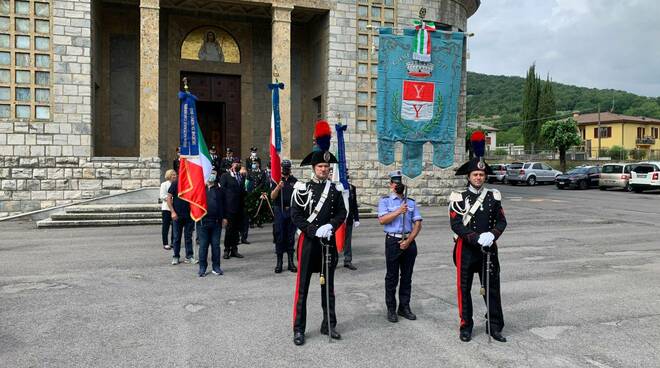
419,82
341,171
275,134
195,162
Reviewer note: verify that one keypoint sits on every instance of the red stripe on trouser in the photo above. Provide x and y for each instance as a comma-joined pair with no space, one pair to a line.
459,249
295,296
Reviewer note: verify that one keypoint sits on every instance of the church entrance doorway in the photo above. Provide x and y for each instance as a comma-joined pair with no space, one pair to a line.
218,108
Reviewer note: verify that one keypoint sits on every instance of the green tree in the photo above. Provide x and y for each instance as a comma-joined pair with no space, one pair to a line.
530,106
547,106
617,153
561,134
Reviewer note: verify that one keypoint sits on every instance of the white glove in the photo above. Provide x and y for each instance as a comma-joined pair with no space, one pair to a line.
486,239
356,224
324,231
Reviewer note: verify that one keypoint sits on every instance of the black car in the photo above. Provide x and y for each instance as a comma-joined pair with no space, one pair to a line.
582,177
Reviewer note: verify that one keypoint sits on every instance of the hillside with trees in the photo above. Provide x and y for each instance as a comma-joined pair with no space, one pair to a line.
498,100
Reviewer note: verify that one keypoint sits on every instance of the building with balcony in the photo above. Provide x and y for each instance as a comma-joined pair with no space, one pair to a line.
630,132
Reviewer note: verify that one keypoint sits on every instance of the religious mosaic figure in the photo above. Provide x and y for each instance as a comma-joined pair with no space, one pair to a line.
210,49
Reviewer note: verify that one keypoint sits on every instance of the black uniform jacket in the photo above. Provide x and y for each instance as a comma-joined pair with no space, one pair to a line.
233,193
333,211
490,218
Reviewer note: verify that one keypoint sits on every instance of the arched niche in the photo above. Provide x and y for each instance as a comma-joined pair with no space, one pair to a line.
210,44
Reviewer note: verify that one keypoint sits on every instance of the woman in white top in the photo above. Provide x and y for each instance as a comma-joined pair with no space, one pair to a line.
170,176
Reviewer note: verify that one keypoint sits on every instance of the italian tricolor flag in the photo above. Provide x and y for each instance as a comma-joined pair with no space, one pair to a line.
195,162
422,42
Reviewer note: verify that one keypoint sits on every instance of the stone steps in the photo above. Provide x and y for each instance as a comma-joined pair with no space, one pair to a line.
113,208
48,223
124,215
104,215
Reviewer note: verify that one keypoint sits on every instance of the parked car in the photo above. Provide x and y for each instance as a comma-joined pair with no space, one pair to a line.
582,177
616,175
531,173
499,173
645,176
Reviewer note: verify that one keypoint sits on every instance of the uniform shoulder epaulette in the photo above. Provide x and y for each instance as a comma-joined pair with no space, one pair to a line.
455,197
299,185
496,194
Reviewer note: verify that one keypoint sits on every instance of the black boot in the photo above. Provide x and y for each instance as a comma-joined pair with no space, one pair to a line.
497,335
334,334
291,265
405,312
299,338
391,316
226,255
278,265
465,335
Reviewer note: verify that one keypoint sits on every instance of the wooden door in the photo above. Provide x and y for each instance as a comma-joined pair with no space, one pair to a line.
219,108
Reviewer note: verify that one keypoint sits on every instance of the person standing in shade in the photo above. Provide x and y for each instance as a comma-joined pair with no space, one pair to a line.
232,184
402,223
353,220
175,162
210,227
283,226
227,161
170,176
216,161
182,222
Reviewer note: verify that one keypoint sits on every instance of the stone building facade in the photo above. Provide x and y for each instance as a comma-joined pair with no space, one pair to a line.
88,88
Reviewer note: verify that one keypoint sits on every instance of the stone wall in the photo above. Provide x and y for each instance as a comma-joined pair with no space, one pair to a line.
368,175
43,164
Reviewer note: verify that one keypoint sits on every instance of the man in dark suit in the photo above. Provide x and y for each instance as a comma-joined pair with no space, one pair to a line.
353,220
233,186
216,161
175,162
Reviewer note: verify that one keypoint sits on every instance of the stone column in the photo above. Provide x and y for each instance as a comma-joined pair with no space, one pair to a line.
281,57
149,43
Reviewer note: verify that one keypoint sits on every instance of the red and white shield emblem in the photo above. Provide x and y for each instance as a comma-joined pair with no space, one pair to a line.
418,98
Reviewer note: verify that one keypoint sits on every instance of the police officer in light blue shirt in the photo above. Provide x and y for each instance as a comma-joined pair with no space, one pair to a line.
402,223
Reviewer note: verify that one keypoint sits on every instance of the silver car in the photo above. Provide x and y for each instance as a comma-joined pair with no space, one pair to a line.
531,173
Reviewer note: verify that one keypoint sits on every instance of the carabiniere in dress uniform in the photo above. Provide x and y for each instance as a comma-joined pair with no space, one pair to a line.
478,220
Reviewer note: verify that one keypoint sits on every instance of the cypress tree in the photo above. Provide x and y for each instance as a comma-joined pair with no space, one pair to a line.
530,105
547,107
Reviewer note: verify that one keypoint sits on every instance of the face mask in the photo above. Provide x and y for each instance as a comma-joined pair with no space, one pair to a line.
212,177
286,172
399,188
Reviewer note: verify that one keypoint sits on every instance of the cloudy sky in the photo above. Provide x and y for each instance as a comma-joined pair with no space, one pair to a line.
592,43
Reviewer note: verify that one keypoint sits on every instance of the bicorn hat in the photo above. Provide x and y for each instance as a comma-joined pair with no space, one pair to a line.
321,152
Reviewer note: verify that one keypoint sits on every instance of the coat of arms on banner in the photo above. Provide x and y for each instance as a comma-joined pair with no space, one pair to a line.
419,79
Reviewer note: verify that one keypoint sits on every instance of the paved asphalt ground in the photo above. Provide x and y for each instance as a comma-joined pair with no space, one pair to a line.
580,284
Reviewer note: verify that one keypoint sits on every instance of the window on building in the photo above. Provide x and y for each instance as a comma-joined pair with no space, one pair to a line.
655,132
641,132
25,59
605,132
371,14
318,107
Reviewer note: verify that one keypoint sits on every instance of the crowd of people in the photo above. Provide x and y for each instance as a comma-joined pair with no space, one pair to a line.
317,210
238,198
